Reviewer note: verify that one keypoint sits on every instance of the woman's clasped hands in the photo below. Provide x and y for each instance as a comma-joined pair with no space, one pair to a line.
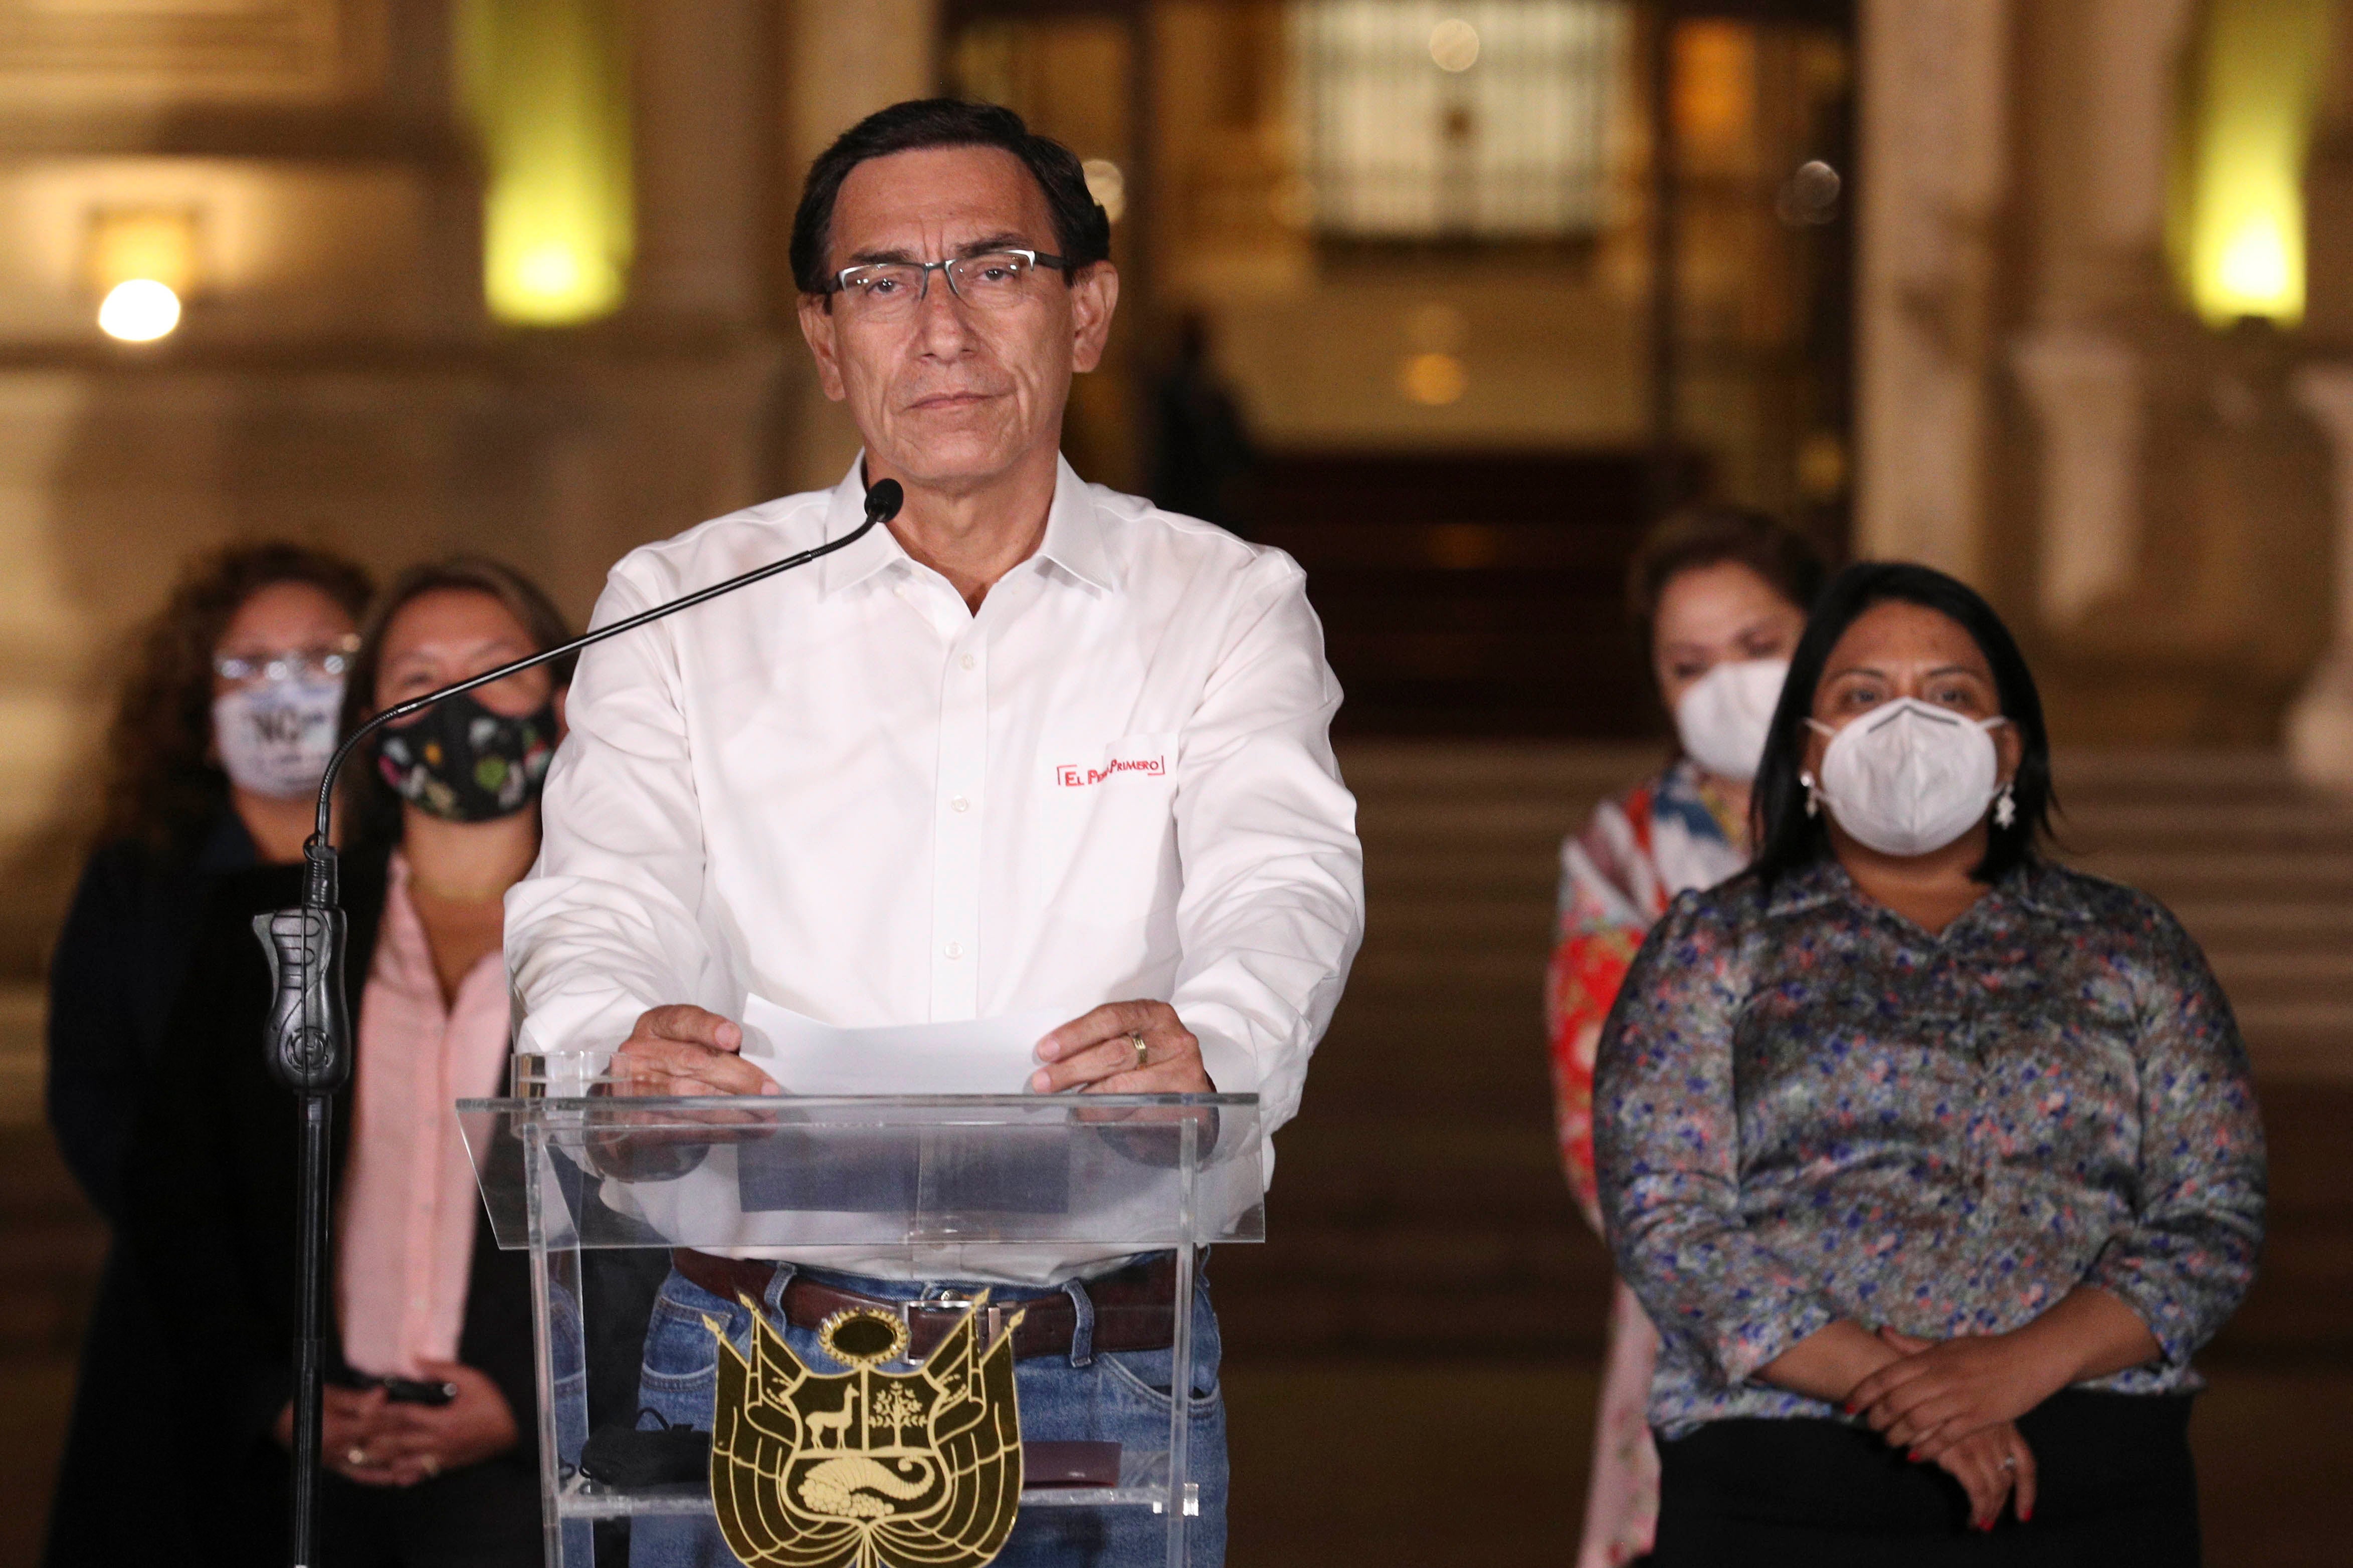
382,1442
1955,1403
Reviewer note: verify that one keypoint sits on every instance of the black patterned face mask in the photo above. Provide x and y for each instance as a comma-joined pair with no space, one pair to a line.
462,763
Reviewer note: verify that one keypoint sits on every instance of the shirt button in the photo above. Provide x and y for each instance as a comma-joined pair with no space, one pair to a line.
966,661
960,804
954,950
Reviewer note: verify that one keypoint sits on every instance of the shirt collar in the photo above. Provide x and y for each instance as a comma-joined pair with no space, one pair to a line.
843,512
2030,884
1075,535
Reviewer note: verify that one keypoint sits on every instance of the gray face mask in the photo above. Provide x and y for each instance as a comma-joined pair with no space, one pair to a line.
275,737
1907,777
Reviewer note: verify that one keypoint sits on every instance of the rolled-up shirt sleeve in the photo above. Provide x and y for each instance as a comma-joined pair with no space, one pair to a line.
1667,1155
1272,907
605,928
2188,1258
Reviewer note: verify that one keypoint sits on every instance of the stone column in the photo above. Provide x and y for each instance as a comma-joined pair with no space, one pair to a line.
2085,389
843,60
698,126
1934,139
2320,720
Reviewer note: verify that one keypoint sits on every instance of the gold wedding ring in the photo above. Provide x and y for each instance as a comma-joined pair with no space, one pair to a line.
431,1466
1143,1052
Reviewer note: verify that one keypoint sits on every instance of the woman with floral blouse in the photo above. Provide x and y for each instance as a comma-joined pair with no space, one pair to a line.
1720,595
1934,1162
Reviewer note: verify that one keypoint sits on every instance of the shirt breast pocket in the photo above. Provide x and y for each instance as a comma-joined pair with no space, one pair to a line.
1134,765
1111,802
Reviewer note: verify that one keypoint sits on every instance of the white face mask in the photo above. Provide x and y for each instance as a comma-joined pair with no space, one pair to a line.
1723,716
275,738
1907,777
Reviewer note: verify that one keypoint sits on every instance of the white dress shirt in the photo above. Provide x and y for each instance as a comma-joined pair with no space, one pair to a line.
844,791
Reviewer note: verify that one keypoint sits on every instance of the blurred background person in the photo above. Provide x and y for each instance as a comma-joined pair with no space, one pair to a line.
1925,1154
220,735
1719,594
428,1435
1201,448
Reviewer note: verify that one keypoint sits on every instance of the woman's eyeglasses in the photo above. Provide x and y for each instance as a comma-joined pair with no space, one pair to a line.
327,662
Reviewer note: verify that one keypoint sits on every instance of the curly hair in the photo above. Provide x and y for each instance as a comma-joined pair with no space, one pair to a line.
162,783
372,810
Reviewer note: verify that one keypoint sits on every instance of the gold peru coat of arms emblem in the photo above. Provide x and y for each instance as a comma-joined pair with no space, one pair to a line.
867,1469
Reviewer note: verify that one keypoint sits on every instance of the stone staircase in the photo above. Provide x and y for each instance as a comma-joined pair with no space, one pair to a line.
1419,1185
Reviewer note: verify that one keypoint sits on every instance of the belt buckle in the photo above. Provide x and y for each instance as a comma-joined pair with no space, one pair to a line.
991,1316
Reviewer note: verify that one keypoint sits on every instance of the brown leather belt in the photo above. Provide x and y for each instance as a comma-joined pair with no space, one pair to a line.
1134,1308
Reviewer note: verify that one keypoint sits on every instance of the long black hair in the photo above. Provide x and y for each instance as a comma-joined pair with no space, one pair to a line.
1793,840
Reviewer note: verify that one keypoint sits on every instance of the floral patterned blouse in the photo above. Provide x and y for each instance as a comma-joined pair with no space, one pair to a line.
1660,839
1808,1108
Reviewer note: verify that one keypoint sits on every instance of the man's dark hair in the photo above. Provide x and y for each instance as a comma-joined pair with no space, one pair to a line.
1082,228
1793,840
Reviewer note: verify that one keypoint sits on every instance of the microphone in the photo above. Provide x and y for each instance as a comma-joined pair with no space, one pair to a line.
308,1037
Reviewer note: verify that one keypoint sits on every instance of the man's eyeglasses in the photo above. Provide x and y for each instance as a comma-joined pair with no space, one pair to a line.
325,663
993,280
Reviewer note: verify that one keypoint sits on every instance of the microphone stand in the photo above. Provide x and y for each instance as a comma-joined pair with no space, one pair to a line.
308,1038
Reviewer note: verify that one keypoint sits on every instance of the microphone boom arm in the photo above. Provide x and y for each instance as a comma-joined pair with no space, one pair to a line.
309,1037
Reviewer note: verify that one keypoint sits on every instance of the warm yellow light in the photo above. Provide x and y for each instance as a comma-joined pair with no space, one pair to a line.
2258,266
547,83
2238,218
158,244
139,310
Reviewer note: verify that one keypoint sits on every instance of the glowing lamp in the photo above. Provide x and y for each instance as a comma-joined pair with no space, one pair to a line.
2237,223
141,264
139,310
546,81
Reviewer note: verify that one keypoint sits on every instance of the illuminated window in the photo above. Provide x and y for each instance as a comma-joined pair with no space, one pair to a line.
1487,120
547,84
2236,217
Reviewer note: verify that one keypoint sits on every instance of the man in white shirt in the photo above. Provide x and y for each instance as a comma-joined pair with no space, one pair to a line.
1033,744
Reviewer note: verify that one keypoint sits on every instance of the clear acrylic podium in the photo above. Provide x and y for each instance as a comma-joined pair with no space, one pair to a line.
599,1189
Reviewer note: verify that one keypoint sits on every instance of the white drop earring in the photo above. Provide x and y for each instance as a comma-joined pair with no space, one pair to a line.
2005,808
1813,798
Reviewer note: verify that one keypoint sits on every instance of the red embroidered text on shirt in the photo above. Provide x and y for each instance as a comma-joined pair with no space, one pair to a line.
1071,776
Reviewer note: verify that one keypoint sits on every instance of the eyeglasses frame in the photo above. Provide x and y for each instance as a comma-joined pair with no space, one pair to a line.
837,284
345,650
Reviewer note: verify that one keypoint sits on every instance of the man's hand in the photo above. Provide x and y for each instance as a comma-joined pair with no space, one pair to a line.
1123,1048
1941,1393
686,1050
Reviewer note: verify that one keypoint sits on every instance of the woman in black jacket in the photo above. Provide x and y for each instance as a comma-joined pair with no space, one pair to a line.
219,740
444,816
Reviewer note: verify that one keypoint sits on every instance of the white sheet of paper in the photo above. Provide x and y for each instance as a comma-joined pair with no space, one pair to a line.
975,1056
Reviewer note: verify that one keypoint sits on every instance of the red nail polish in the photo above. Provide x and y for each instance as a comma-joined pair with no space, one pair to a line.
1913,1455
2026,1516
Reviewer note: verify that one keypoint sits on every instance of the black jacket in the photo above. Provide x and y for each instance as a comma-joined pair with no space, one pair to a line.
210,1214
119,963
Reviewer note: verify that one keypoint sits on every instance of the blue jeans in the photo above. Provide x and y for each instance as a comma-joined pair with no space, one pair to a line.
1115,1397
